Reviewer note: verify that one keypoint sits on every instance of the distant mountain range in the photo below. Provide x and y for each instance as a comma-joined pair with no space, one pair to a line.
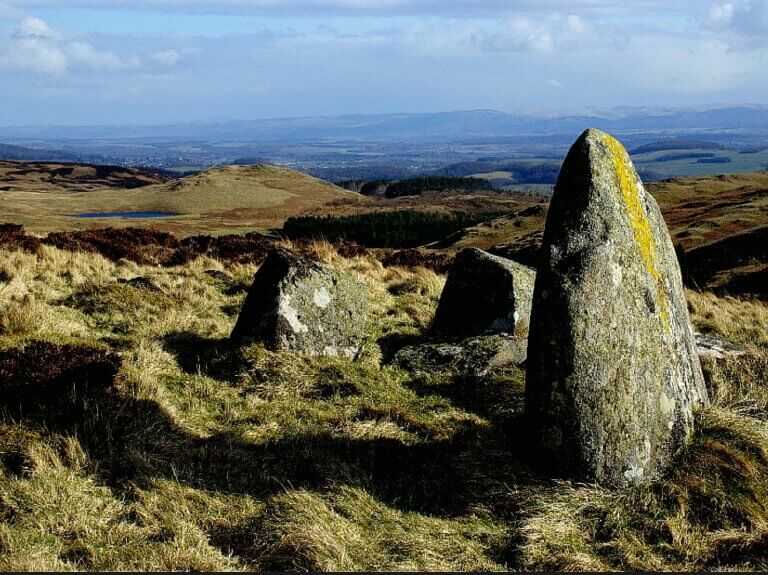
445,126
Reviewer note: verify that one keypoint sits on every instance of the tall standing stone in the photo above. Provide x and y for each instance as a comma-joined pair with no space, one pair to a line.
613,370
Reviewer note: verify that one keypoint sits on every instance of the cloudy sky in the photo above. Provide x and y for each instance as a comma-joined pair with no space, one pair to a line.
142,61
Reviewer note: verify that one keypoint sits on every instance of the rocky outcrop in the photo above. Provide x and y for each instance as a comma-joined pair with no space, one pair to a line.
484,294
296,304
475,356
716,348
613,370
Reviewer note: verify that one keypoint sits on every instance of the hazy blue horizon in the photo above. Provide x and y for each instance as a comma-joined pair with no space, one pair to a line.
603,112
113,62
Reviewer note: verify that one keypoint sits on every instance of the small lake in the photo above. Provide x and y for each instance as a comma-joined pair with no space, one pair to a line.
130,215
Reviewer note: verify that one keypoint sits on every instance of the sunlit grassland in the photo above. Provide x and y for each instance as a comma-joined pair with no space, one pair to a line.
234,459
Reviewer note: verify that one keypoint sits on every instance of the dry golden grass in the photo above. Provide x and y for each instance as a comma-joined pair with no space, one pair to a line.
221,459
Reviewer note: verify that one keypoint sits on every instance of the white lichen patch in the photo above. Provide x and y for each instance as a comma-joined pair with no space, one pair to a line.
322,298
634,474
291,316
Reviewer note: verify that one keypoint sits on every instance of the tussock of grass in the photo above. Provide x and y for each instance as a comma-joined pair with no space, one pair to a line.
349,530
716,497
742,321
21,317
206,457
738,383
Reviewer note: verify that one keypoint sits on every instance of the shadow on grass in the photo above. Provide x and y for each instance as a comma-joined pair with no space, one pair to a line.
391,343
132,437
214,357
135,441
71,390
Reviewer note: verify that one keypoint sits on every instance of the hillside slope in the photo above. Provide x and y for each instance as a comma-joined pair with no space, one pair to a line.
21,176
701,211
233,198
705,209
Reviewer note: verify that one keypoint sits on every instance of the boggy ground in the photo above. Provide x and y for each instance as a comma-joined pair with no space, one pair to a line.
133,437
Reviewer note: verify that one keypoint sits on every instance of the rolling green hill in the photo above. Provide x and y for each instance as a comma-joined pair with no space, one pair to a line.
233,198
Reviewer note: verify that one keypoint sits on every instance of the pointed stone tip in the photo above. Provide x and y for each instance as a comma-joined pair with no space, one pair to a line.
594,135
594,147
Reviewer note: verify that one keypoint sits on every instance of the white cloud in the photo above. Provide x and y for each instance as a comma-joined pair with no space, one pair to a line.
721,14
522,34
746,17
86,55
36,46
166,57
34,28
555,84
525,34
35,55
577,24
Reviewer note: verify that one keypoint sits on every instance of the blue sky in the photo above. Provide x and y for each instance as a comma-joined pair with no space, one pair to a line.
122,62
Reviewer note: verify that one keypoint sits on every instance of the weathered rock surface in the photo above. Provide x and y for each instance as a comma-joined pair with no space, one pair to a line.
714,347
613,370
475,356
485,294
296,304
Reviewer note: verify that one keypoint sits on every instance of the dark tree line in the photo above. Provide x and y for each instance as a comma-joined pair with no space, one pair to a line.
396,229
522,172
688,156
417,186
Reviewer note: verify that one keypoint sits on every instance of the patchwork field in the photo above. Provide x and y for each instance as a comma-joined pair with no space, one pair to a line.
701,162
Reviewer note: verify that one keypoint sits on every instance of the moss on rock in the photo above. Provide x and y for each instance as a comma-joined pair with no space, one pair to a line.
613,373
299,305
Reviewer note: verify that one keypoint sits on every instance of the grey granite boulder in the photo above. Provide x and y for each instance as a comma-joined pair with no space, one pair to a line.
296,304
475,356
613,370
484,294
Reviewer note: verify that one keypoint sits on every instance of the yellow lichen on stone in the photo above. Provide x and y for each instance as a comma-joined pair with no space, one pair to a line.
638,219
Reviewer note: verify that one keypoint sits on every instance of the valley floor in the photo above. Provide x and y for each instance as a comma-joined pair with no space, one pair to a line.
185,454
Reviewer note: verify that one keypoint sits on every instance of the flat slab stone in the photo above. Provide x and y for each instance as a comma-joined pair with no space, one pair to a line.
475,356
299,305
710,346
140,283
